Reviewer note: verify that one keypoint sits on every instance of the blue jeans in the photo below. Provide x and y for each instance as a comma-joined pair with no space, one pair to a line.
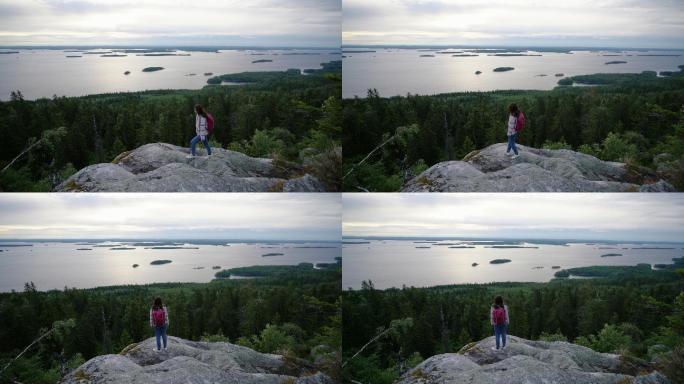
511,143
160,332
194,141
500,333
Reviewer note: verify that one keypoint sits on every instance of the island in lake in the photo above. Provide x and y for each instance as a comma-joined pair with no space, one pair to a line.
262,61
121,249
272,254
510,246
152,69
503,69
500,261
160,262
611,254
513,54
616,62
478,72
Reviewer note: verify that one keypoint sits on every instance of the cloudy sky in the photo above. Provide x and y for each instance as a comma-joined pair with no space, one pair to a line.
171,22
604,23
592,216
171,215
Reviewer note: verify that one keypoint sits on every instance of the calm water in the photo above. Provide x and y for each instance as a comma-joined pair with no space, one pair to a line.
44,73
393,263
55,265
400,71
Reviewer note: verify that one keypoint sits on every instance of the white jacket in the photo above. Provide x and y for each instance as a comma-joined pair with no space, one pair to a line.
511,125
201,125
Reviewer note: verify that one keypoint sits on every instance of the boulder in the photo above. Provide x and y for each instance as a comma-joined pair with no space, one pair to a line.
161,167
193,362
535,170
525,361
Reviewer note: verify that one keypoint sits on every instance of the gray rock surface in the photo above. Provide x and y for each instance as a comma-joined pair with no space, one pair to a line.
160,167
535,170
526,362
190,362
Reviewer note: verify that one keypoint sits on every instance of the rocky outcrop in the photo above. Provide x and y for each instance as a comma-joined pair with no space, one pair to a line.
160,167
535,170
525,361
192,362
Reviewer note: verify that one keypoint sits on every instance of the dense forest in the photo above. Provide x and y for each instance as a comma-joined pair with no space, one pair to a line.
292,310
285,115
633,118
634,311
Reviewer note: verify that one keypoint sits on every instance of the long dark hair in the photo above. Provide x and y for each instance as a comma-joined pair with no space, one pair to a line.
498,301
158,303
513,109
200,111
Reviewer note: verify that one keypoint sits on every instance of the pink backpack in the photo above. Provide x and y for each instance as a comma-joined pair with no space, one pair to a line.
158,317
210,123
499,315
520,122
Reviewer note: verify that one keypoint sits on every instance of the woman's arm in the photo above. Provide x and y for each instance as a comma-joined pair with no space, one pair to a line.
151,321
491,315
166,316
507,320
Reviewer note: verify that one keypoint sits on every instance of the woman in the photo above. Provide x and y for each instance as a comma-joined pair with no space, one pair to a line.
159,320
498,317
201,129
512,132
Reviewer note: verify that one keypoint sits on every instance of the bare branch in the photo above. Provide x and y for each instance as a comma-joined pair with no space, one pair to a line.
368,155
21,154
27,348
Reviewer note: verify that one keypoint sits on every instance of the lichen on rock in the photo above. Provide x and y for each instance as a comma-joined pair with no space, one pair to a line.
535,170
526,361
193,362
161,167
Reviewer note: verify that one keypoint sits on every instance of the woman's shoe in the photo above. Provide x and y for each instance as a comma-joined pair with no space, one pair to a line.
189,156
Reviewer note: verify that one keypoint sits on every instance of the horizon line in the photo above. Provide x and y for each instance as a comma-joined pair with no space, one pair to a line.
461,237
166,45
352,45
159,238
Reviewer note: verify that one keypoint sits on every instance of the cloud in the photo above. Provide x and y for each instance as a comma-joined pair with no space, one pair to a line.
291,216
515,22
604,216
270,22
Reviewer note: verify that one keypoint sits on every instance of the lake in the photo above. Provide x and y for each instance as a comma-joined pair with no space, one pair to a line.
400,71
54,265
46,72
393,263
